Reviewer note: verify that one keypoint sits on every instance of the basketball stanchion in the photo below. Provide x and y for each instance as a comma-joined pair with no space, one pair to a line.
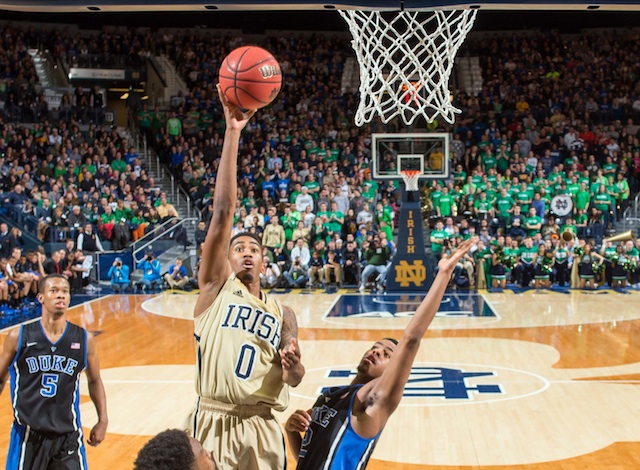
410,270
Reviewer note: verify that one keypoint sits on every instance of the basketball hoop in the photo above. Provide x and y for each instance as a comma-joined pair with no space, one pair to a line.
405,60
410,178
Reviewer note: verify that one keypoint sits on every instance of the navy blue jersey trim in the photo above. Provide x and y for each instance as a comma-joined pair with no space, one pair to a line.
19,348
86,348
66,329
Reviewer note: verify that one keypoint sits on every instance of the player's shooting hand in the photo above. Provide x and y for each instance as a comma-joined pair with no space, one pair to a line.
235,117
298,421
448,263
97,434
290,355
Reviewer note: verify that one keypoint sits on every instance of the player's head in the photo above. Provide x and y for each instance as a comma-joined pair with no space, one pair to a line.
376,359
173,450
54,294
245,256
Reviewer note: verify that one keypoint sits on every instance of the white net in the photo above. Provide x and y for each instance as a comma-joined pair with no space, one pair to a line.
406,59
411,178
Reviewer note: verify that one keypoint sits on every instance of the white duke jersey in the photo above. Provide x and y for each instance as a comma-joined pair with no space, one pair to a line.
237,341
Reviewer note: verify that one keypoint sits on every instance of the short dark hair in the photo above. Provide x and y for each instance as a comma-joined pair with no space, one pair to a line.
169,450
246,234
393,340
43,282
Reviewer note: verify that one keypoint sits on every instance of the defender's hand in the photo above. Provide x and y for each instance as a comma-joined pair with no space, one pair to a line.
298,421
448,263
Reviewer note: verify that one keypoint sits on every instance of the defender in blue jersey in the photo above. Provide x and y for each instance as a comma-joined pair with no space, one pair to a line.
44,360
341,430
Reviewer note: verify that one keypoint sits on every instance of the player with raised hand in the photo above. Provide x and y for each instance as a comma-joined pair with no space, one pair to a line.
246,347
342,429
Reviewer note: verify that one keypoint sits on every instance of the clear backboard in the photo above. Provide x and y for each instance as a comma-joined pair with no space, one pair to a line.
427,153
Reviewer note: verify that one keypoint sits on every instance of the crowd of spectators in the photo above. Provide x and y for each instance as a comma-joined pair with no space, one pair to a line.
57,180
556,115
21,269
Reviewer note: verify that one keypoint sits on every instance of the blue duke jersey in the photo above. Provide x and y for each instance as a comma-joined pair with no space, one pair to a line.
45,378
331,443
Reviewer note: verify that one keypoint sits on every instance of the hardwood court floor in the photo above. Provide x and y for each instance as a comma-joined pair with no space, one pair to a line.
517,381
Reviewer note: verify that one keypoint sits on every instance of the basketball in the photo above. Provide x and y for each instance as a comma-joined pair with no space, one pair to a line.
250,77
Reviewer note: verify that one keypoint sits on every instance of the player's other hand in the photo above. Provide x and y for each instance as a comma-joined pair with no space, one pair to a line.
448,263
290,355
97,434
298,421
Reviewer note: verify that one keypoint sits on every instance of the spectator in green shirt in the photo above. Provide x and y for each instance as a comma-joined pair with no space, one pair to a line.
524,271
377,254
504,205
602,202
614,196
482,206
438,237
609,168
336,219
569,226
312,185
174,127
624,192
445,204
434,196
123,212
118,164
108,221
583,198
469,188
532,223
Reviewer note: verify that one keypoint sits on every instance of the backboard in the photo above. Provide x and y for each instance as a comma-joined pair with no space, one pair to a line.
425,152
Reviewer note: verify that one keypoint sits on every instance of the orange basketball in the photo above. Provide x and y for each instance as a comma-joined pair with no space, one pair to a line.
250,77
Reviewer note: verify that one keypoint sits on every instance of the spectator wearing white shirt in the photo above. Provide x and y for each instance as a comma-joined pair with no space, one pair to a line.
271,276
250,220
308,217
364,217
301,251
303,200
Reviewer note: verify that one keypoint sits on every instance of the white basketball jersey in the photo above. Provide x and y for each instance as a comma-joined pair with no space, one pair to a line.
237,340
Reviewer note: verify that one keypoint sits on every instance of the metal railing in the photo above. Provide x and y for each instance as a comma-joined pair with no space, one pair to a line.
151,233
630,222
187,199
636,205
157,234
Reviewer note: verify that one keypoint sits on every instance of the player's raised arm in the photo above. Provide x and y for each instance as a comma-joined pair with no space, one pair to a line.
215,268
379,398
